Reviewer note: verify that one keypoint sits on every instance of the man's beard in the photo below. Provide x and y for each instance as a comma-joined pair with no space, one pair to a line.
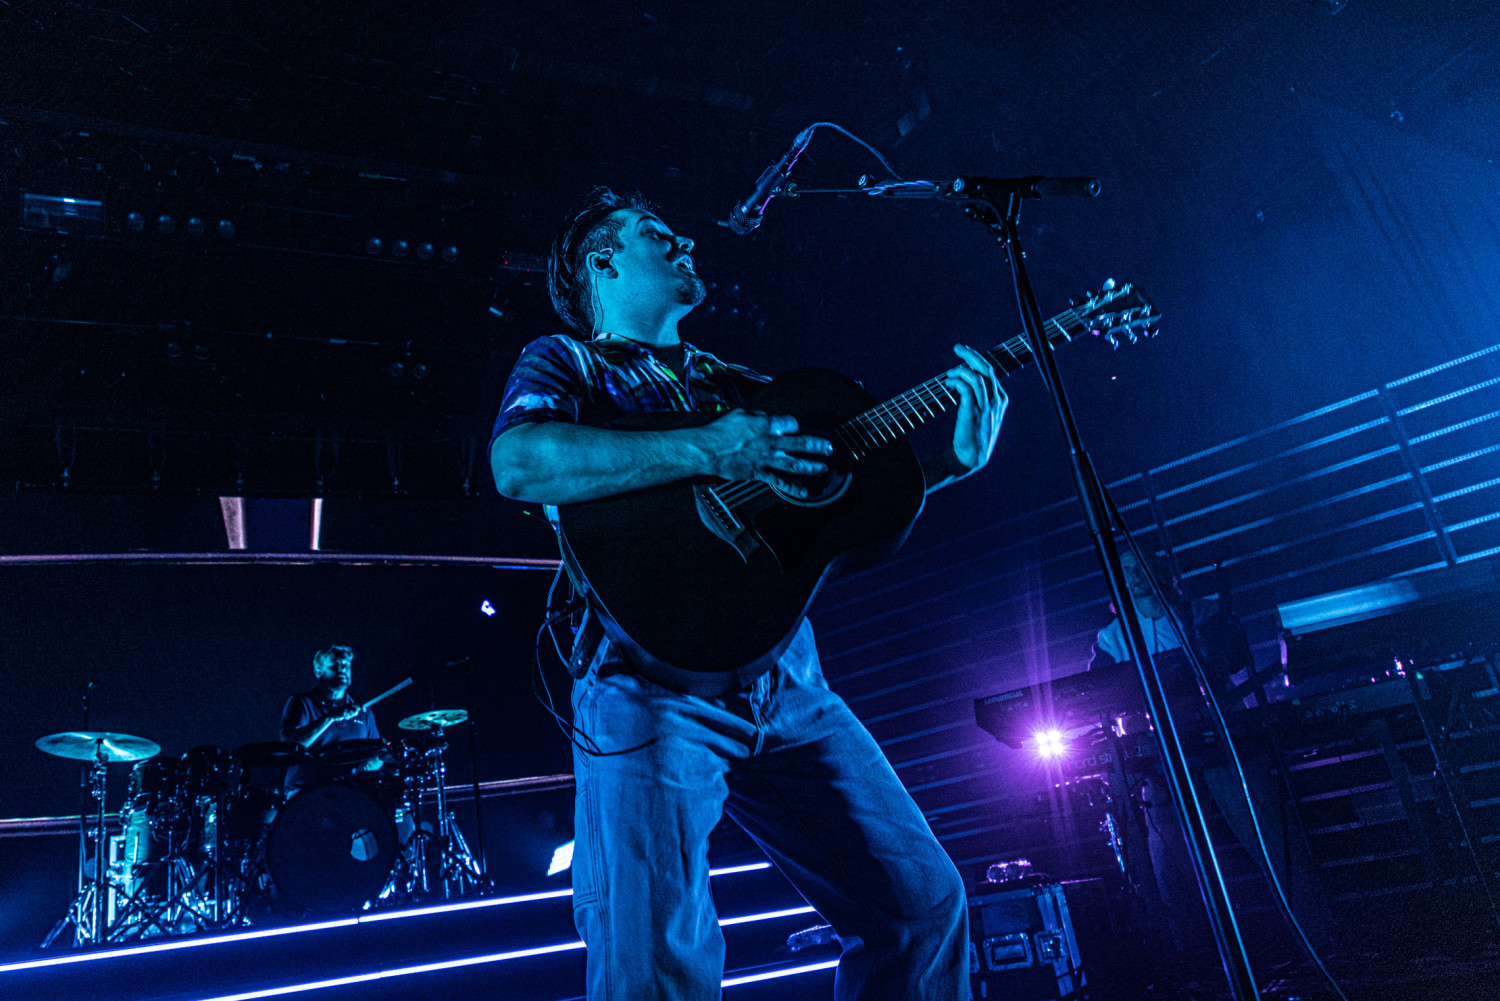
691,290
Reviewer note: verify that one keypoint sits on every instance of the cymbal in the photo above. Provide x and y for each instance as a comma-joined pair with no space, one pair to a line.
88,745
434,719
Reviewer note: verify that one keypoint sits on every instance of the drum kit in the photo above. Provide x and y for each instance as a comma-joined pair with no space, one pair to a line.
216,839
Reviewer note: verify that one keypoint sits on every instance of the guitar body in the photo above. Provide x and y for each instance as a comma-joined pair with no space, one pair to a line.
703,614
702,583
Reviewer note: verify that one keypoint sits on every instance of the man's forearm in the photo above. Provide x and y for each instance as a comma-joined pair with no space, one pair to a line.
568,463
305,735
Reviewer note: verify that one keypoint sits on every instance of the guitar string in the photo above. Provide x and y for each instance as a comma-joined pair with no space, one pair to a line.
879,418
874,426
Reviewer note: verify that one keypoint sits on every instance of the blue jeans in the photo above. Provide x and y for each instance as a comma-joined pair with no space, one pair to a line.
790,763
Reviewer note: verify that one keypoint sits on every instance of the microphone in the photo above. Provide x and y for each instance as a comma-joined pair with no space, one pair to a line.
746,216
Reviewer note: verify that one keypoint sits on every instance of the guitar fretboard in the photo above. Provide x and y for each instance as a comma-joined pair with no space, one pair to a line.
900,415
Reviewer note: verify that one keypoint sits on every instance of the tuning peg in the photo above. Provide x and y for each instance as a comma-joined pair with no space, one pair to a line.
1114,342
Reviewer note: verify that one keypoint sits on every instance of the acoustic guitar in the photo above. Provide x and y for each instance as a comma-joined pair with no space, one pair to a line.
703,582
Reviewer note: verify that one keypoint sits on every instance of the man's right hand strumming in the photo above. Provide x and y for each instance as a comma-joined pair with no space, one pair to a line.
743,445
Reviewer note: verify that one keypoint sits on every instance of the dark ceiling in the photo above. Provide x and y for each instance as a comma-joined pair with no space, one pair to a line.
197,362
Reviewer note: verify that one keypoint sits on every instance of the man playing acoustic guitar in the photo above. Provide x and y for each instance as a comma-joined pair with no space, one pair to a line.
781,755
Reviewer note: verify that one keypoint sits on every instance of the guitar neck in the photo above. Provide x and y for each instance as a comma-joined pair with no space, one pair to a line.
900,415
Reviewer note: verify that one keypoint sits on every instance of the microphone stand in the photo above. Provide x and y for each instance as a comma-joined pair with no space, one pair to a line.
995,202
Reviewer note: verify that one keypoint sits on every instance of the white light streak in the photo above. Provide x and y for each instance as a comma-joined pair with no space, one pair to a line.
562,859
233,511
767,916
731,870
500,957
793,971
187,943
315,536
405,971
170,945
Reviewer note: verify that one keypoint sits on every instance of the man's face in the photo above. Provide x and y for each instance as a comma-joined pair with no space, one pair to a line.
335,672
1135,575
655,261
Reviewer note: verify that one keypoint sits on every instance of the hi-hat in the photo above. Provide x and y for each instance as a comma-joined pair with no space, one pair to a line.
92,745
435,719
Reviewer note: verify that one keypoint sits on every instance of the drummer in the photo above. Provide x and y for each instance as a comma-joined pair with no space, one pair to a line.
326,716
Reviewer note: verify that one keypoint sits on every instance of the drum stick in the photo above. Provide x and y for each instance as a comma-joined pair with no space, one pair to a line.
388,692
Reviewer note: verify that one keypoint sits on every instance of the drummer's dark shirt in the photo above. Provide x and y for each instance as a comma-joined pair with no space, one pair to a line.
305,708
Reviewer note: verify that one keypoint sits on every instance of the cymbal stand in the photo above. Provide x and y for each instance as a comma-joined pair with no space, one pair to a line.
457,867
457,870
86,910
140,913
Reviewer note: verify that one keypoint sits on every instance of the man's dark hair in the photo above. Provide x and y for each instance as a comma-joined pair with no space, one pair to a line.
330,654
587,230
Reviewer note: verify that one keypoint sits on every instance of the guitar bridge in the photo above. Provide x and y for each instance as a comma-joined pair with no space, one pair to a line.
719,519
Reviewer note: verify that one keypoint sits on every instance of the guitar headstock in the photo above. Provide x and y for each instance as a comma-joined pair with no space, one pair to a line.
1116,311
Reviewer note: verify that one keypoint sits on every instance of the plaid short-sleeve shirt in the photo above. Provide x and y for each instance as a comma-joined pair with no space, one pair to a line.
558,378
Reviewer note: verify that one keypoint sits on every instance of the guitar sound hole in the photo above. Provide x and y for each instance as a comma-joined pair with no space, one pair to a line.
821,490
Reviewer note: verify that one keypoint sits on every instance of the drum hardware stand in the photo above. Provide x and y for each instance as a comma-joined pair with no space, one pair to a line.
456,868
140,913
86,910
456,865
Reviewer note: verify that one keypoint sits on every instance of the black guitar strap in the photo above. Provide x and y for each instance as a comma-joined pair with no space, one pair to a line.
585,644
588,631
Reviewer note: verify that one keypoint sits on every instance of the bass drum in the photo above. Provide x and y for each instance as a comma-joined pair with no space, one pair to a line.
331,848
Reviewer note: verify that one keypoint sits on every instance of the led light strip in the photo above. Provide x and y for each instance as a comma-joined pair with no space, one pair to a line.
768,915
405,971
193,943
793,971
541,950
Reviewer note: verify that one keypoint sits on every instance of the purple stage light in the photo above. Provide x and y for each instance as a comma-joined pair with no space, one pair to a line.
1050,743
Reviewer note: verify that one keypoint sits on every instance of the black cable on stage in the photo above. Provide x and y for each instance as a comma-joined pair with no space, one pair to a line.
539,674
